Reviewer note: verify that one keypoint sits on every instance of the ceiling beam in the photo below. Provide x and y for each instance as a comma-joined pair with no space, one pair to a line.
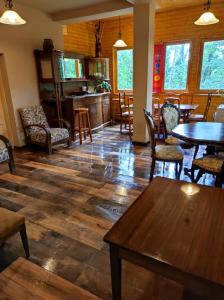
93,12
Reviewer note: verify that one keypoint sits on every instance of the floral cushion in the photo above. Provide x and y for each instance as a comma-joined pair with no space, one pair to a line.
170,117
211,163
33,115
194,116
169,152
57,134
4,155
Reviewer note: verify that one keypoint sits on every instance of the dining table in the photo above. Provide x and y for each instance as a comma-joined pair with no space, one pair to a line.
174,229
201,133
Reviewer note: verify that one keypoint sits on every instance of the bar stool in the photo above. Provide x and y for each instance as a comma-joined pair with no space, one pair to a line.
81,115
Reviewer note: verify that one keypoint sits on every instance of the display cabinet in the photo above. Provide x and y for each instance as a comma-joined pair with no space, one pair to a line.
98,68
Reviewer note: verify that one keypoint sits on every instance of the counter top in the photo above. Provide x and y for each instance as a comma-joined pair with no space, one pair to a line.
87,95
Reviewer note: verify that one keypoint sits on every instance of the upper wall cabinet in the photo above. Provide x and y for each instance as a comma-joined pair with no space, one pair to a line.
98,68
59,66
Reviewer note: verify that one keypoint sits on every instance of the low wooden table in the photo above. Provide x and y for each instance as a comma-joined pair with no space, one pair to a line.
23,280
175,229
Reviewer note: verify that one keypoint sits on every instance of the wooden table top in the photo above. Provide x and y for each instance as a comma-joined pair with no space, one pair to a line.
25,280
207,133
178,225
182,106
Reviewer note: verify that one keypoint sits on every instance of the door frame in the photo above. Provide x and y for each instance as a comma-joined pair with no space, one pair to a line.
6,101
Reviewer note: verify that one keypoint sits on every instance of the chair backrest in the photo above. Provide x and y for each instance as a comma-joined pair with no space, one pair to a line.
173,100
151,129
33,115
156,107
122,102
171,116
208,104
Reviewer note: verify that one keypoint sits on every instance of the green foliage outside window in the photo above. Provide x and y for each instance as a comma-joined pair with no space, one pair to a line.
212,72
176,66
125,69
70,71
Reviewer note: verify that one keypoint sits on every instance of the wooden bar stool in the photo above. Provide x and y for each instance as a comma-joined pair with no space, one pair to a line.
81,116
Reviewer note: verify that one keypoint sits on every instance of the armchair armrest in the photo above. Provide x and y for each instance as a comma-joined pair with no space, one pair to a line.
6,142
47,130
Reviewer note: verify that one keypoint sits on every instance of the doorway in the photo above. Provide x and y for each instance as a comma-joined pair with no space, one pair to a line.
7,119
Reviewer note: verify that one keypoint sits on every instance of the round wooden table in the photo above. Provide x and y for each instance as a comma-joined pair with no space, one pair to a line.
201,133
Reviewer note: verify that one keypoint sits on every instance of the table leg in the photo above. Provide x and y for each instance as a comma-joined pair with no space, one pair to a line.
115,264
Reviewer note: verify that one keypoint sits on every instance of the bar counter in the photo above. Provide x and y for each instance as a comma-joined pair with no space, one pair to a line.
98,105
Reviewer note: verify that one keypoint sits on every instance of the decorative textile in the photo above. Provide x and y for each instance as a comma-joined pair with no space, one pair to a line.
4,155
170,117
57,134
211,163
33,115
169,152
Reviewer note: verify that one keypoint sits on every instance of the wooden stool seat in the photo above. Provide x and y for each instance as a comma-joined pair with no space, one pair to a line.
11,223
81,116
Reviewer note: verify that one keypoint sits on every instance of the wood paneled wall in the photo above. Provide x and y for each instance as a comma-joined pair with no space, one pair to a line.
80,38
171,26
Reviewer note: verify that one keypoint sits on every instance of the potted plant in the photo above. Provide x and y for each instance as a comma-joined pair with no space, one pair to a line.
103,86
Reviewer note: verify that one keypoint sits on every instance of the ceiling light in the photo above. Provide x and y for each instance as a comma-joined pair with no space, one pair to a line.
120,43
207,18
10,17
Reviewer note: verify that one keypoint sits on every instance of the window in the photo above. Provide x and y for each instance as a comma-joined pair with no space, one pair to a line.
176,66
212,71
125,69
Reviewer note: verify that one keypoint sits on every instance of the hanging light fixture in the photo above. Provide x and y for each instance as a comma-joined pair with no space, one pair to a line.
120,43
10,17
207,18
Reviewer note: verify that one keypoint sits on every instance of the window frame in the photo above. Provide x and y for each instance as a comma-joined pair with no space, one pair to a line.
116,69
188,68
201,53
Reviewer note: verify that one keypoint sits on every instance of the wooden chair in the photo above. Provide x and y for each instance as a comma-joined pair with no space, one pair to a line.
38,131
164,153
157,118
81,116
211,164
171,118
201,118
12,223
6,153
126,113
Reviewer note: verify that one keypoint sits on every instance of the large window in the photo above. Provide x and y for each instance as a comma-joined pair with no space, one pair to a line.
212,71
176,66
125,69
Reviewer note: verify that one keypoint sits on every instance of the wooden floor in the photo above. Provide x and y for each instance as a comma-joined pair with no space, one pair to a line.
71,199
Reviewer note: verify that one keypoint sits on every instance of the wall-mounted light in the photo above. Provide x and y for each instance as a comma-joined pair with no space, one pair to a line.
120,43
207,18
11,17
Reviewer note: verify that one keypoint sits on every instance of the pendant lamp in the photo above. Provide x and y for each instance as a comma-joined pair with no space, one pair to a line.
120,43
11,17
207,18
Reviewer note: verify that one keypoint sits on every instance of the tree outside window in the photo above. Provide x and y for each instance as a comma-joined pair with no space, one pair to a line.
125,69
176,66
212,72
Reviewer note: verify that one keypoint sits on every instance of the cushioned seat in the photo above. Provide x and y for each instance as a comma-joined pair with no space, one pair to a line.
212,163
169,152
196,117
4,155
57,134
11,222
174,141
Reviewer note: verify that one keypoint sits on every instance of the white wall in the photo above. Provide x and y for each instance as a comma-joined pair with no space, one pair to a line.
17,44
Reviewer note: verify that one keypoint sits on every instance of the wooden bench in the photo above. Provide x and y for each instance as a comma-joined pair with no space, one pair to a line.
25,280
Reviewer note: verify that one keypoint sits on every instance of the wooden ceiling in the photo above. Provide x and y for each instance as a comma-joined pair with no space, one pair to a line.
169,4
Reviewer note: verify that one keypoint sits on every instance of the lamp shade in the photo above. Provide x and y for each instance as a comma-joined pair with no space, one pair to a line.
207,18
10,17
120,44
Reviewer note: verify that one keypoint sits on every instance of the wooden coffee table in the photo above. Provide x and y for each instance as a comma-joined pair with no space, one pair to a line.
175,229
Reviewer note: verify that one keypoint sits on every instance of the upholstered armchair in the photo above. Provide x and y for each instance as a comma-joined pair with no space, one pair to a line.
38,131
6,154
